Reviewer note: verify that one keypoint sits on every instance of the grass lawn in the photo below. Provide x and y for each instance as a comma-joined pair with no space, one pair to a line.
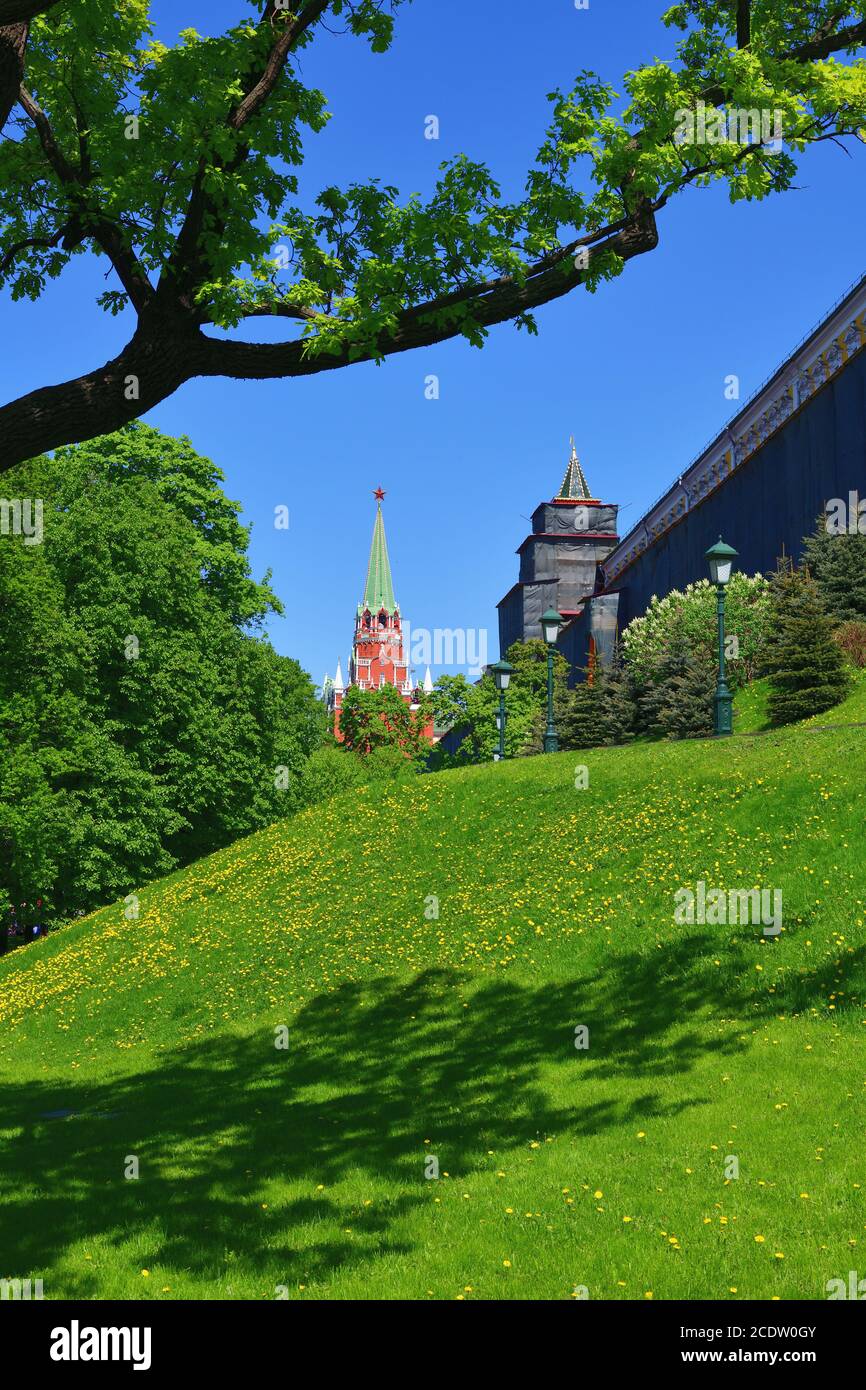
411,1038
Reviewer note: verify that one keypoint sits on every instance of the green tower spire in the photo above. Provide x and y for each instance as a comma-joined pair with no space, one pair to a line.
379,590
574,484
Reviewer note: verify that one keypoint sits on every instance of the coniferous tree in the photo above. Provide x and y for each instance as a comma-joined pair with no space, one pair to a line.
620,701
687,705
837,563
675,697
579,715
652,690
805,665
600,710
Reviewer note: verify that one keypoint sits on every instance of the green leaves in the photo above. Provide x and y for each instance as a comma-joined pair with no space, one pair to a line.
686,620
471,708
372,721
180,164
142,720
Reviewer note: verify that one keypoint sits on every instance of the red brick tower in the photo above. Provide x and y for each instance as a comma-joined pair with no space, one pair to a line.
378,655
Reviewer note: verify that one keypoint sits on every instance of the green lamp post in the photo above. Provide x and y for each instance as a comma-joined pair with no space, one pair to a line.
720,558
502,673
551,622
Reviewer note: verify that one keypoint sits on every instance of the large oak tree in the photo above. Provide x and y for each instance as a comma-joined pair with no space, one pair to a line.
177,166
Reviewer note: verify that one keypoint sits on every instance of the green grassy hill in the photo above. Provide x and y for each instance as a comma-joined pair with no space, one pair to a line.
750,707
302,1169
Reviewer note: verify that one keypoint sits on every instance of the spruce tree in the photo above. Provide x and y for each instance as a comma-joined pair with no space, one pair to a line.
805,665
675,697
600,711
837,564
687,704
578,715
620,707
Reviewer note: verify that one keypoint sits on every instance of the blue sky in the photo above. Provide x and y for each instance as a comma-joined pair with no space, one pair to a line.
635,372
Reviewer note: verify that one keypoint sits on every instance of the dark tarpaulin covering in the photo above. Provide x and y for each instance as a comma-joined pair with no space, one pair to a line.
537,598
563,559
561,520
599,621
770,502
764,509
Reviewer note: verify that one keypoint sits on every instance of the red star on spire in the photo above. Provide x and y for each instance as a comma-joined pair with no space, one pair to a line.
379,495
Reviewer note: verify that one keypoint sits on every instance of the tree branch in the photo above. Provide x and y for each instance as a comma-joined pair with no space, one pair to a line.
52,151
15,16
744,23
279,310
163,355
155,362
187,263
502,300
47,243
168,347
86,222
826,44
262,86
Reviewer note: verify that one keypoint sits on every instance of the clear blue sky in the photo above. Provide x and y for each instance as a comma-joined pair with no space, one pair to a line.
635,372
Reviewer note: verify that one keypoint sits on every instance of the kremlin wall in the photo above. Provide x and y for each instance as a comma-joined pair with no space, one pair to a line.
762,484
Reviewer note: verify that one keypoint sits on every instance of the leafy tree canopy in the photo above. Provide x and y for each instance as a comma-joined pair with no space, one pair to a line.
179,166
143,723
471,709
685,621
376,723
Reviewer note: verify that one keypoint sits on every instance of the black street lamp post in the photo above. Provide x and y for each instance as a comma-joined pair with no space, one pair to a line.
502,673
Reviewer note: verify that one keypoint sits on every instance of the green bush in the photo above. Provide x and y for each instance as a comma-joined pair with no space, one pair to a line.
335,769
328,772
685,620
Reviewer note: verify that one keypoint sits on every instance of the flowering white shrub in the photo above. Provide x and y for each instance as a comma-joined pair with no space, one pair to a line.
688,616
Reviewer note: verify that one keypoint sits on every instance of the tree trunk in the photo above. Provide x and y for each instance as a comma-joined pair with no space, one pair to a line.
15,16
13,41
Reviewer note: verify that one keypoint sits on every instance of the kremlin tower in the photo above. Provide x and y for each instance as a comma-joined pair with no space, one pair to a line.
559,564
378,655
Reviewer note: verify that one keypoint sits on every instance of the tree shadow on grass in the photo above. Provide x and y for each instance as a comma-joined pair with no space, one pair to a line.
376,1075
